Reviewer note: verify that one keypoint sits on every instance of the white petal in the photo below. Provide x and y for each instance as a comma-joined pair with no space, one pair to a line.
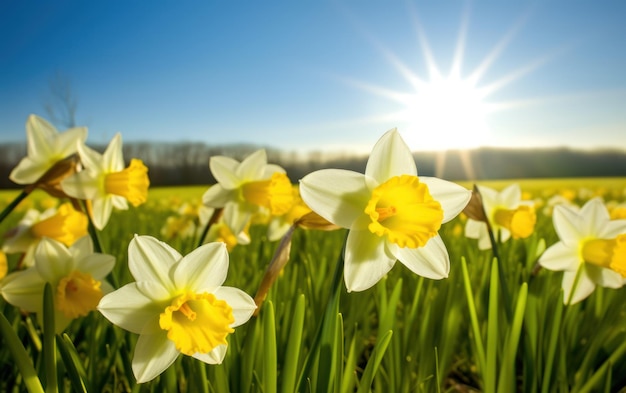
113,159
28,171
568,225
338,195
81,248
217,196
452,197
490,198
595,216
253,166
584,286
390,157
82,185
431,261
53,260
91,159
154,353
119,202
366,260
237,215
129,308
605,277
98,265
270,169
66,141
242,304
24,289
216,356
151,260
39,134
559,256
511,196
474,229
202,270
224,171
101,208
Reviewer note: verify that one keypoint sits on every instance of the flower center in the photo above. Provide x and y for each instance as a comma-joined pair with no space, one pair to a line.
77,294
197,323
520,221
403,210
65,226
607,253
132,183
276,194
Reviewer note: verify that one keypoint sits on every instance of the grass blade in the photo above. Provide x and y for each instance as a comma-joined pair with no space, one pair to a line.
373,362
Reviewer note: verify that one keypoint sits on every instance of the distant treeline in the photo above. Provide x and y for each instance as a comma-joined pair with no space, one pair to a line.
188,163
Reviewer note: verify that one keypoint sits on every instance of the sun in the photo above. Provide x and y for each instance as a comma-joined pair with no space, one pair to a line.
445,113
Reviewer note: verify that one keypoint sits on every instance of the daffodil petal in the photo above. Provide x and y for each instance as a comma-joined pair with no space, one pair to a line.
366,260
91,159
338,195
216,356
237,216
270,169
510,196
24,289
612,229
223,170
66,141
217,196
567,224
559,256
53,260
101,209
605,277
113,159
129,308
98,265
242,304
119,202
431,261
150,260
82,185
452,197
596,216
154,353
39,134
202,270
81,248
390,157
474,229
253,166
28,171
584,287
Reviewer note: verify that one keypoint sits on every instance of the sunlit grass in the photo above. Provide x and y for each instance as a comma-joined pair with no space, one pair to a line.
490,326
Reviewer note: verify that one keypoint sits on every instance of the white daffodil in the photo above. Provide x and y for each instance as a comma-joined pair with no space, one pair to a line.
591,250
64,224
508,216
45,148
392,213
75,273
247,188
106,183
177,305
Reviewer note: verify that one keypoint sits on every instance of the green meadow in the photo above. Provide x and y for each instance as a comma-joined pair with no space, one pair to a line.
494,325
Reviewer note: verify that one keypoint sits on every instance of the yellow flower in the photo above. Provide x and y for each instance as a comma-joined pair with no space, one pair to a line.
177,305
76,274
106,182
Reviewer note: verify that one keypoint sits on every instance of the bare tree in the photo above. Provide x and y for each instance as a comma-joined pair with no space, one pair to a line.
61,103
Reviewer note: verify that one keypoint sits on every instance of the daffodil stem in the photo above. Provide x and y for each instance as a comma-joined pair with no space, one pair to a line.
49,343
7,210
503,287
217,213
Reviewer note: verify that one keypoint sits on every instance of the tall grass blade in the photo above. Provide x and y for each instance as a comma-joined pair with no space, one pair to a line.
374,361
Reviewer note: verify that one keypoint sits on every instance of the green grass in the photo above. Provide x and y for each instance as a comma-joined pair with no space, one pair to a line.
406,334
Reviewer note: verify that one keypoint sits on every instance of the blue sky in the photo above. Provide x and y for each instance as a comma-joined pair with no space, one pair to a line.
332,75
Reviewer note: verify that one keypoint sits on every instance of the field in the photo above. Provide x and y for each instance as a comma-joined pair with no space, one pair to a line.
494,325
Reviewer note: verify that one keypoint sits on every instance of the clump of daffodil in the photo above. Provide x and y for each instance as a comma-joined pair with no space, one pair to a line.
49,155
106,183
506,212
591,249
248,188
392,213
177,305
63,224
75,273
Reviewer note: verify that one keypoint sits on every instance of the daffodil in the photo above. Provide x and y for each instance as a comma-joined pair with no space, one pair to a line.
392,213
177,305
64,224
4,265
508,216
247,188
46,147
106,183
75,273
591,249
